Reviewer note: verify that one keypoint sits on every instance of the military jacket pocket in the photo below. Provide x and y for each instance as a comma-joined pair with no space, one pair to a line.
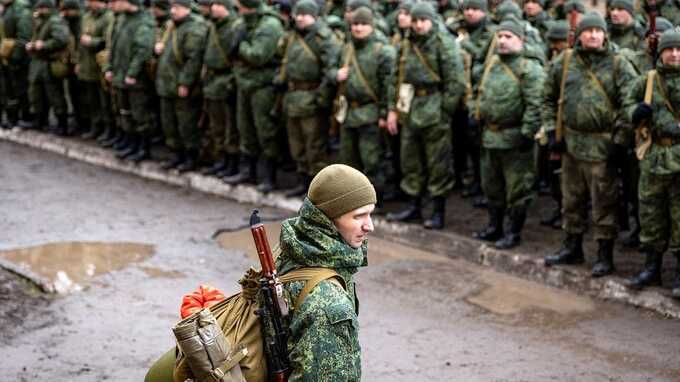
343,321
426,110
300,103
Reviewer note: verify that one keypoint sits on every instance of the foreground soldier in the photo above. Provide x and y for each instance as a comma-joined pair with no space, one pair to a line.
594,126
508,102
659,186
15,22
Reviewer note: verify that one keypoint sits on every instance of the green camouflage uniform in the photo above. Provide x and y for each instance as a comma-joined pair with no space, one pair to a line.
659,187
258,63
16,23
590,128
180,65
627,36
219,89
323,343
45,89
669,9
509,102
360,140
541,21
426,152
306,69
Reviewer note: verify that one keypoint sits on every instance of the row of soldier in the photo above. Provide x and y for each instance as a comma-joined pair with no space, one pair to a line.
431,89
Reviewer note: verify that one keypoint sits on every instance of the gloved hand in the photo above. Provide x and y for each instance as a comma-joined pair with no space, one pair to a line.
553,145
642,112
617,155
526,144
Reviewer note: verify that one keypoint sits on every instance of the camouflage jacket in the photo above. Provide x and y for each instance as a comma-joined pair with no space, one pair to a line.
96,25
509,99
131,48
641,60
182,57
323,343
542,22
670,9
219,81
258,56
377,62
308,60
661,160
53,31
478,38
438,79
629,36
593,117
16,23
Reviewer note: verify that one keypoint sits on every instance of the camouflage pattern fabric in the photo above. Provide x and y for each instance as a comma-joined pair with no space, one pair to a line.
659,211
307,138
16,23
508,177
627,36
361,148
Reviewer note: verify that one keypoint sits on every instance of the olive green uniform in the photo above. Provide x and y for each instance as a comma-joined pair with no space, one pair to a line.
16,25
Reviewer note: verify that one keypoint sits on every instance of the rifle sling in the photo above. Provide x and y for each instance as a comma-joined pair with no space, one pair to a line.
560,103
215,40
426,64
360,74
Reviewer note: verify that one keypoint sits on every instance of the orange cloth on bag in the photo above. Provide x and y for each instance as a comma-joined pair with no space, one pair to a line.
203,297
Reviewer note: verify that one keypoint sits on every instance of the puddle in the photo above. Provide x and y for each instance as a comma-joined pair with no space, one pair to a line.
507,295
157,273
68,265
379,250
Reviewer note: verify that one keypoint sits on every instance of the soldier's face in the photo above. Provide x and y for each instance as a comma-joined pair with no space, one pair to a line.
620,16
361,31
532,8
355,225
404,19
218,11
473,15
303,21
508,42
671,56
179,12
422,26
118,6
558,45
592,38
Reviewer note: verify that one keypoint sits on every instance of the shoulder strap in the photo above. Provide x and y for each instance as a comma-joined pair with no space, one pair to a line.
426,64
405,45
360,74
492,48
649,87
215,40
312,278
175,48
664,95
560,103
487,68
597,81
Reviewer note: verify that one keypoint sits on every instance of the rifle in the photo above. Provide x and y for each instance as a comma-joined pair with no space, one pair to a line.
573,15
273,309
652,36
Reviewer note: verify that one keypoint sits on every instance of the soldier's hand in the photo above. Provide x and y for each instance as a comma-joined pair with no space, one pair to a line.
38,44
342,75
85,39
392,126
182,91
643,111
76,69
158,48
29,46
130,81
108,76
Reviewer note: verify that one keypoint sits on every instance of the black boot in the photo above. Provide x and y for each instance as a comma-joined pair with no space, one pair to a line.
143,151
93,132
191,162
570,253
494,230
12,118
436,221
480,201
123,142
231,168
217,167
605,258
114,136
29,121
247,173
633,238
131,148
301,187
62,125
512,239
177,159
675,285
552,219
269,182
412,212
651,275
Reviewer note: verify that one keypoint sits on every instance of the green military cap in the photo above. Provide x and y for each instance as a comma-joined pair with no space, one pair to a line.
362,15
406,5
669,39
45,3
662,24
628,5
512,24
423,10
161,4
184,3
592,19
338,189
558,30
70,4
508,7
252,4
574,4
353,5
306,7
476,4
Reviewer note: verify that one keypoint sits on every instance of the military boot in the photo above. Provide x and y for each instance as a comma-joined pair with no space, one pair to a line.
412,212
605,258
174,161
93,132
633,238
570,253
675,285
28,122
143,151
62,125
131,148
191,162
111,139
436,221
512,239
269,181
217,167
553,219
247,173
123,142
12,118
300,188
494,230
649,276
231,168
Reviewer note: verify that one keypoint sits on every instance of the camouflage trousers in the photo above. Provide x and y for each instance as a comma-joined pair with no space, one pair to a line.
94,104
659,211
15,91
256,125
222,136
361,148
133,109
179,120
308,141
582,181
44,94
426,155
508,177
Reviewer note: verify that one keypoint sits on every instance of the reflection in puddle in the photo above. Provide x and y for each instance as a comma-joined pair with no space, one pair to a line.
157,273
67,265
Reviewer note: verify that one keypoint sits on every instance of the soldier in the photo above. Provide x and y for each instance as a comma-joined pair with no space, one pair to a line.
48,49
433,66
94,101
379,22
534,12
668,9
15,22
204,8
256,43
219,90
624,30
366,80
310,52
178,85
131,49
656,100
70,12
509,98
583,98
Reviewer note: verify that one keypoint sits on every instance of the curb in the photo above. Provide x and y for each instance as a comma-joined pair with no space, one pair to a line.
445,243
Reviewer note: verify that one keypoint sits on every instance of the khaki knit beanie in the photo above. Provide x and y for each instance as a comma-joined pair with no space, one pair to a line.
592,19
338,189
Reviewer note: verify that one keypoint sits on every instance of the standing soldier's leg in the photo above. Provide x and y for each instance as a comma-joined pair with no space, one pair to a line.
16,86
213,139
231,138
674,196
554,220
89,103
632,177
296,142
126,121
439,157
413,169
493,185
37,95
55,93
371,154
248,145
519,172
474,136
459,142
604,197
263,102
172,138
143,124
188,110
349,147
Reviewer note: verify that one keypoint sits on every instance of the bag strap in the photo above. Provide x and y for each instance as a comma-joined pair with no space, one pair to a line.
175,47
312,276
649,87
560,103
480,89
232,360
360,74
215,40
664,95
405,45
597,81
427,65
